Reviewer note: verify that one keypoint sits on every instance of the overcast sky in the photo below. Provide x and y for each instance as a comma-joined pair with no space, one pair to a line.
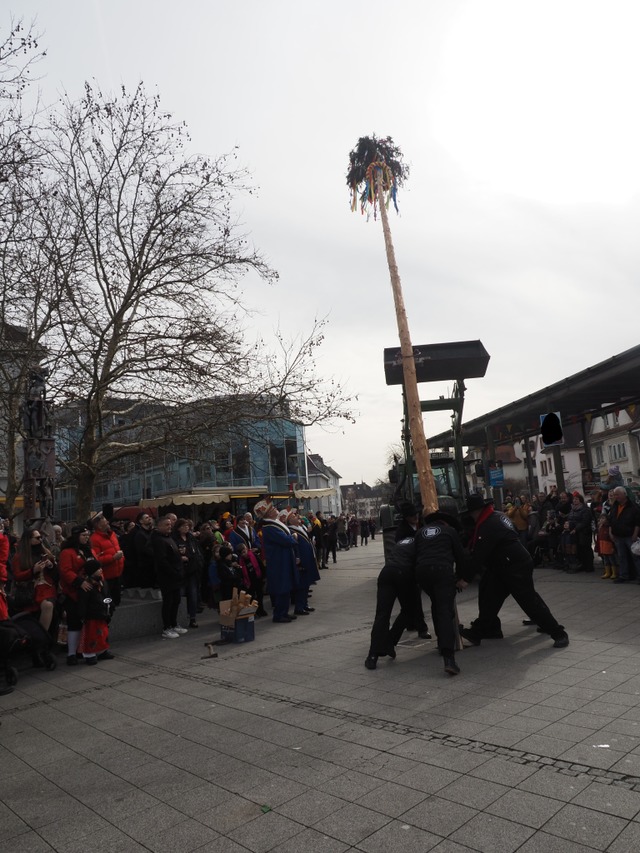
519,223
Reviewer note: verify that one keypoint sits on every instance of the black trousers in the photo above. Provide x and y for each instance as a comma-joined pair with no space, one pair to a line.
439,583
170,606
115,592
329,549
74,616
392,585
410,620
585,552
515,579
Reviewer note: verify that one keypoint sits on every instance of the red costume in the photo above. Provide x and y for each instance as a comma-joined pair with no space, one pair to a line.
4,556
45,587
71,564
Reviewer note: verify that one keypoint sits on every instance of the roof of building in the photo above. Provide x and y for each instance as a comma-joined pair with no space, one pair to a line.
318,463
602,388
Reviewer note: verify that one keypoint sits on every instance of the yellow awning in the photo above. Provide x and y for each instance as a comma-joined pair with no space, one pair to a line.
187,499
313,493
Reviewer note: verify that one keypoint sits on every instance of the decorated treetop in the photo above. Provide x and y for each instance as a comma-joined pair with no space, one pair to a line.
372,158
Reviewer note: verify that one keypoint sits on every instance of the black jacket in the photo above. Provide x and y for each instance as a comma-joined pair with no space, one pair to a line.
435,544
168,561
498,544
624,524
191,551
438,544
404,530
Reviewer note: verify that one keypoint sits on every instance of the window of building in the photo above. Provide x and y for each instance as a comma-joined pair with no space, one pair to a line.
605,421
222,457
550,465
291,449
202,473
240,462
599,451
617,451
278,463
564,467
543,468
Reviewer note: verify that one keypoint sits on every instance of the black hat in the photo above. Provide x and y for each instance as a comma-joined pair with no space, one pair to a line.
407,509
476,501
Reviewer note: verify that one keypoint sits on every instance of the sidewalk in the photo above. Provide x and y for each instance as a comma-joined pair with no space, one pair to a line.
289,744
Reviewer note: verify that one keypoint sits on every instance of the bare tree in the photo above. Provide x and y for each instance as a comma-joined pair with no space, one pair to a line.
23,315
149,328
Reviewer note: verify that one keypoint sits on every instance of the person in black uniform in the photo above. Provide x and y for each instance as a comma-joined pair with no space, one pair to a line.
437,548
508,571
426,559
410,618
396,581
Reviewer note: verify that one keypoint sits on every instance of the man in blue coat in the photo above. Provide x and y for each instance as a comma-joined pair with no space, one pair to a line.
280,552
308,565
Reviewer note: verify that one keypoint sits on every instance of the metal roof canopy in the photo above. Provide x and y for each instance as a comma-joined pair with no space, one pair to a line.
606,386
439,362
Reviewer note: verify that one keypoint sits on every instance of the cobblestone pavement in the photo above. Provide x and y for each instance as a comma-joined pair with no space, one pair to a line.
289,744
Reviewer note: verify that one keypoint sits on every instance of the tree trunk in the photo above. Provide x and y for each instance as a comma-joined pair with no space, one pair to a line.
13,447
84,494
416,426
86,474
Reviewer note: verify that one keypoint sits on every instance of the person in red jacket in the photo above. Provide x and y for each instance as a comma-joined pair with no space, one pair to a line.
4,608
4,554
33,562
105,545
79,572
5,641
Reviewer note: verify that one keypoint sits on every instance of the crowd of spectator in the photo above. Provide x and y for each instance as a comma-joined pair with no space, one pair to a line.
70,578
565,530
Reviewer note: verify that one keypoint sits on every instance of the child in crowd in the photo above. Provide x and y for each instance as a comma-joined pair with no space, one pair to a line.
606,548
568,548
229,573
94,609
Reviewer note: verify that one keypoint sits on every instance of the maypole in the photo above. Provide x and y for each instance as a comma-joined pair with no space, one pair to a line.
375,173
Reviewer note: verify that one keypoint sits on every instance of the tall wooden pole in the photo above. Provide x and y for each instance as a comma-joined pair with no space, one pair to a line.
416,425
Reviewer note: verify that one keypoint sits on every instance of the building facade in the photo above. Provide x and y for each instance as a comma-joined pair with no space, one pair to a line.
269,454
322,476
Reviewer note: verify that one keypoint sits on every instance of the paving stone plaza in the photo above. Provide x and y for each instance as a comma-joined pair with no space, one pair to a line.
289,744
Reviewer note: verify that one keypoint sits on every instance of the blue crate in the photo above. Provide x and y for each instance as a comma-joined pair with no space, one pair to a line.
243,631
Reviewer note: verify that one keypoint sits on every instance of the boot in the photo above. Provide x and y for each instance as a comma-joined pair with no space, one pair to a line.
471,637
614,573
450,665
561,641
371,661
607,573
